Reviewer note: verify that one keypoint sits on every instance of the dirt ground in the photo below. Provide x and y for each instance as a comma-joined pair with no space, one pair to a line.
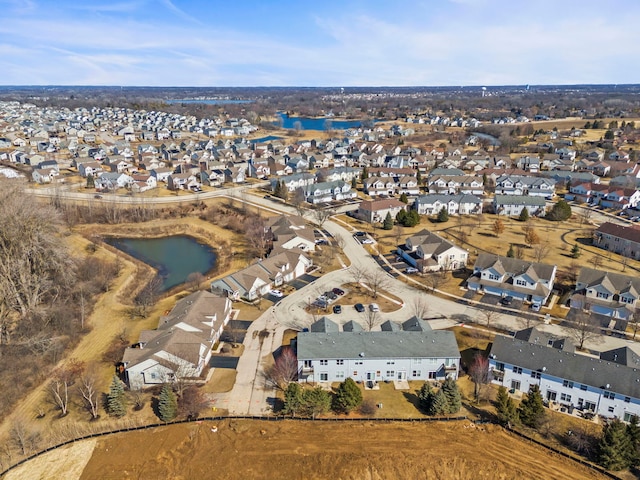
242,449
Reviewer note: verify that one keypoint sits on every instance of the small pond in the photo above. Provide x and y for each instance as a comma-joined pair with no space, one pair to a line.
174,257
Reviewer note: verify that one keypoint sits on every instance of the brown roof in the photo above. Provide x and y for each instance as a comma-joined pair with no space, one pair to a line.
382,204
631,233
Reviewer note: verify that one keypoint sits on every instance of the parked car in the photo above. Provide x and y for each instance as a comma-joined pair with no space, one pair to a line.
323,298
277,293
359,307
367,241
535,307
320,303
374,307
338,291
337,309
267,196
506,300
330,295
97,196
321,241
359,234
411,270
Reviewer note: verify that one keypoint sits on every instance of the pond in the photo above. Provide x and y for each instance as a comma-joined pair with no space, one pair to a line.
174,257
322,124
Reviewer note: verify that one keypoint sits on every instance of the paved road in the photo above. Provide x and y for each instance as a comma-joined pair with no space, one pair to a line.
253,395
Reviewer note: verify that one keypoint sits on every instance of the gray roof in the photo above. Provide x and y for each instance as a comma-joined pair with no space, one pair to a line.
324,325
415,324
590,371
519,200
390,326
346,345
534,335
613,282
352,326
446,171
432,198
513,266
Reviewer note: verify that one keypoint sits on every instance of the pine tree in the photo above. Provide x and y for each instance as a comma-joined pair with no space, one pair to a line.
90,181
633,432
418,178
452,392
354,182
425,397
560,212
403,198
531,410
575,251
615,450
293,400
116,405
348,396
505,407
443,215
524,215
365,173
167,404
439,405
511,253
401,217
276,189
316,401
388,222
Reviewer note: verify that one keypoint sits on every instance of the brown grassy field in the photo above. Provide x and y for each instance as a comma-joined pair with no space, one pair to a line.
243,449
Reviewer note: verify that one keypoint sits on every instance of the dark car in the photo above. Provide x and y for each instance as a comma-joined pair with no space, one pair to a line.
337,309
330,295
267,196
97,196
359,307
359,234
506,300
338,291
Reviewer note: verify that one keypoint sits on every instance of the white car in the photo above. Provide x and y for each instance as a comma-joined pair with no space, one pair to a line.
277,293
411,270
535,307
374,307
367,241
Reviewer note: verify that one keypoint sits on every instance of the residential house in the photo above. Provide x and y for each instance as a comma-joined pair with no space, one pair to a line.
291,231
180,348
620,239
326,354
112,181
512,205
182,181
44,175
235,174
525,185
408,185
608,386
260,278
326,192
611,295
294,181
454,204
162,174
376,210
528,164
90,168
429,252
454,184
142,183
505,276
374,186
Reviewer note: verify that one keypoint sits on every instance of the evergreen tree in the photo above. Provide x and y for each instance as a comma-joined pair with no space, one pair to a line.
315,401
418,178
524,215
401,217
412,219
511,253
293,400
443,215
505,407
354,182
452,392
167,404
116,405
348,396
365,173
388,222
403,198
484,179
560,212
615,450
633,432
575,251
531,410
439,405
425,397
90,181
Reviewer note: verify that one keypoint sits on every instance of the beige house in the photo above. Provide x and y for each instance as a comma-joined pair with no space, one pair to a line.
429,252
376,210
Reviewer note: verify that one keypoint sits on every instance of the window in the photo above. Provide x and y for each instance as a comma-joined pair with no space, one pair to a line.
324,377
583,387
628,416
359,362
627,399
565,397
517,370
493,277
609,395
339,362
551,396
590,406
522,283
432,375
417,361
611,409
602,295
567,384
515,384
307,364
416,373
391,362
535,375
355,373
500,366
324,362
340,374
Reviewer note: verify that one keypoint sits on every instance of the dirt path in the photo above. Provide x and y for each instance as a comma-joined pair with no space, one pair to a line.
242,449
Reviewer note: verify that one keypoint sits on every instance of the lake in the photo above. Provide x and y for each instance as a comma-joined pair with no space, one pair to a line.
208,101
308,123
174,257
269,138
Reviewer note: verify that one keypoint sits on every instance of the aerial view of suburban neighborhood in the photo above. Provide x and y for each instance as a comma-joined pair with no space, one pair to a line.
224,255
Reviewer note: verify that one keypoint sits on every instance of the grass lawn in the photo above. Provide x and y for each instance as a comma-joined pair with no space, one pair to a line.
358,294
221,381
395,403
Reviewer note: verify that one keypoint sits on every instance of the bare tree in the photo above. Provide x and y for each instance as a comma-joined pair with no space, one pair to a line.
284,369
585,216
436,279
148,296
420,306
376,280
258,236
583,328
398,233
62,379
357,273
371,319
87,388
298,201
321,215
194,280
24,438
339,241
192,402
541,251
479,374
489,316
634,321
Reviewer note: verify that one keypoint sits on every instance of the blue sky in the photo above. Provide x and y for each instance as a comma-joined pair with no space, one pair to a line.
318,43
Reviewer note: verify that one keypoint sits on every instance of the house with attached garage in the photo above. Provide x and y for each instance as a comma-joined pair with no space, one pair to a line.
525,185
291,231
612,295
376,210
505,276
182,181
454,204
411,351
112,181
512,205
429,252
328,191
453,184
294,181
260,278
608,386
180,348
621,239
44,175
374,186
